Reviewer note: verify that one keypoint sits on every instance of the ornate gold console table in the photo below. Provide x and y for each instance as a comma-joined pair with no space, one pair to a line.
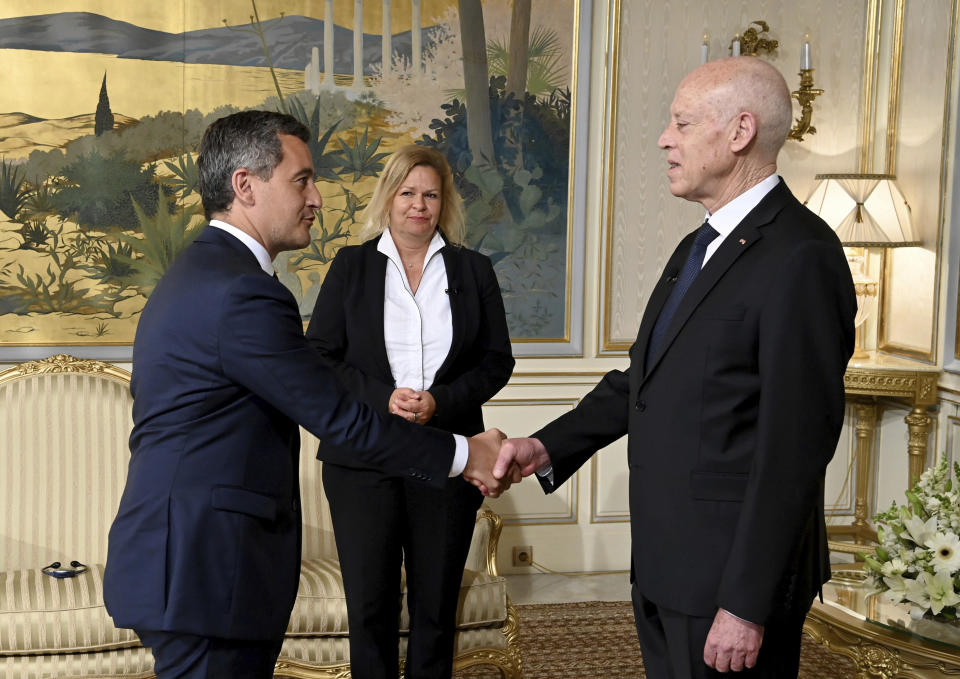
877,635
866,381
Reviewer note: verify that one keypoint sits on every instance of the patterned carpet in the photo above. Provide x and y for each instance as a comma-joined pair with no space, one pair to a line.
597,640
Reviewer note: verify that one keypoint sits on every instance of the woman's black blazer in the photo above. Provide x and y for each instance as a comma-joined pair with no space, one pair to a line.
347,329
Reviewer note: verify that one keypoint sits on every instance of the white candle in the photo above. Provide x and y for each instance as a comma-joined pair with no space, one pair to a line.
805,53
705,48
736,46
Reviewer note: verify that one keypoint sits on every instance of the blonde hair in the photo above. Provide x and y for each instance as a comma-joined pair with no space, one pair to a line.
377,215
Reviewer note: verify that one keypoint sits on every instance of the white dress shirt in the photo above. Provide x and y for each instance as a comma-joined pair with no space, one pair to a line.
727,218
418,327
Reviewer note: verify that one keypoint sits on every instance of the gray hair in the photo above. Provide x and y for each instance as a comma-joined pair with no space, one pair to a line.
249,140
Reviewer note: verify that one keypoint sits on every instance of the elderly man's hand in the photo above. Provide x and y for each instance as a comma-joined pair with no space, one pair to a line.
523,455
732,643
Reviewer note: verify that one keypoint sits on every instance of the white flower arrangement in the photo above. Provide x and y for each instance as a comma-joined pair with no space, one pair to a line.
918,559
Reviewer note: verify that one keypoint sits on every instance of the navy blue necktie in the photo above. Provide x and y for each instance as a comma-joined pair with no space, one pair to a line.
705,236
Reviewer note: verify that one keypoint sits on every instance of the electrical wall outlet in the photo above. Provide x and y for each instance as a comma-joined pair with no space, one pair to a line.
523,555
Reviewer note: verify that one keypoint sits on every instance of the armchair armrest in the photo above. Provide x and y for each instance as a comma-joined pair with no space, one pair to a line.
486,538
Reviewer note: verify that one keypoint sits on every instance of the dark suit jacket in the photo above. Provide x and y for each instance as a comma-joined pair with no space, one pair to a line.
732,426
207,537
347,328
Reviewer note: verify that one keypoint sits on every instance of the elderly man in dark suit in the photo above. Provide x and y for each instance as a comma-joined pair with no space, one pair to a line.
204,554
733,400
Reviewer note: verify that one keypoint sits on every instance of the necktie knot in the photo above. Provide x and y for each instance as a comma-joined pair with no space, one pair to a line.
705,236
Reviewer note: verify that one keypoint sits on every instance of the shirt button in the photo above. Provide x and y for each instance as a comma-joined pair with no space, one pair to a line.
640,405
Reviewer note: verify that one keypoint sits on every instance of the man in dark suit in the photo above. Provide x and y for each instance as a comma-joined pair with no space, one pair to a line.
733,400
204,554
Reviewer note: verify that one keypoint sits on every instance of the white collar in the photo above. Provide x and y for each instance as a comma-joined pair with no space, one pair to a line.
260,252
387,246
730,215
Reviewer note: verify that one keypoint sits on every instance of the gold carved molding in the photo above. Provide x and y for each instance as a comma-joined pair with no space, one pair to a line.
64,363
878,653
919,387
294,670
508,661
865,382
496,527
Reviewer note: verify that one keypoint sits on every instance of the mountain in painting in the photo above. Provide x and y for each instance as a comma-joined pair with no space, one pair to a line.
291,40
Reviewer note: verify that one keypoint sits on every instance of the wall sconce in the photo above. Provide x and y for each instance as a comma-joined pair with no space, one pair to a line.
805,95
753,42
866,211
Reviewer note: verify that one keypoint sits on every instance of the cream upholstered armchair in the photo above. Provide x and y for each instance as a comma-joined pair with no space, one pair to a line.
63,462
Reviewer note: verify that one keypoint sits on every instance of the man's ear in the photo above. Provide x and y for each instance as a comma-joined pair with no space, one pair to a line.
744,131
242,182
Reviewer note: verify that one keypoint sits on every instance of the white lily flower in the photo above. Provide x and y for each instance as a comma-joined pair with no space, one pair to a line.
940,591
916,591
897,591
919,530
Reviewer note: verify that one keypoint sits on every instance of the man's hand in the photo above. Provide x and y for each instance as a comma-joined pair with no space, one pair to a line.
732,643
484,450
525,455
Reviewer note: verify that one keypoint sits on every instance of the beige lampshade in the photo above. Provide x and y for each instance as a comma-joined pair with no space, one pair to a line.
866,210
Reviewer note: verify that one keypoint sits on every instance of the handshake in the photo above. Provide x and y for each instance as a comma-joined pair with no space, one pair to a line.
496,462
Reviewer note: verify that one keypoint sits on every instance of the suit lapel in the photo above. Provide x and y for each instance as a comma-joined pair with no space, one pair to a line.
376,279
661,291
457,303
747,232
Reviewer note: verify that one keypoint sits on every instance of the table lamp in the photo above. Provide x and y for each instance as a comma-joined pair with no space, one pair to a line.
866,211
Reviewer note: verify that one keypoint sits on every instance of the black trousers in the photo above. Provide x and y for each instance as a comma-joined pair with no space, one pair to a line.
380,522
672,644
187,656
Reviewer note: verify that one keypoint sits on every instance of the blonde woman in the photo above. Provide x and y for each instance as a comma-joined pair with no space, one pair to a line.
413,324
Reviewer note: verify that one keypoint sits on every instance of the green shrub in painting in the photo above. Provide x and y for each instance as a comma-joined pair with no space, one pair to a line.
524,191
361,158
56,288
100,192
324,239
113,263
35,235
162,237
324,163
186,175
39,204
13,189
545,70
